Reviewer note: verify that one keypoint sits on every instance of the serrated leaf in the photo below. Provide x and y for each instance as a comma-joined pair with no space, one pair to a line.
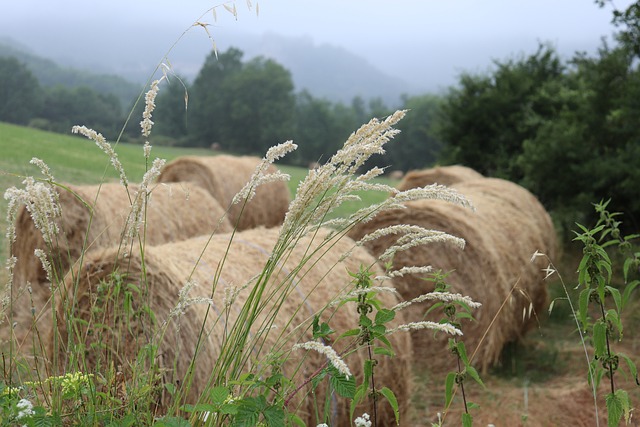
614,410
274,416
343,386
393,401
219,395
612,316
467,420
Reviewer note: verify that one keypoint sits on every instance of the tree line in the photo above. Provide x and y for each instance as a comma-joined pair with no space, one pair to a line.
565,129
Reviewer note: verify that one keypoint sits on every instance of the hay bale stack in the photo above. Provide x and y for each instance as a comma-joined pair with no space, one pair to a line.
321,278
174,212
443,175
501,235
223,177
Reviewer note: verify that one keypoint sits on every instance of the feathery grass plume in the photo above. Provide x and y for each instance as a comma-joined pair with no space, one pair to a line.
426,324
104,145
42,204
440,296
44,168
328,351
260,176
327,187
149,105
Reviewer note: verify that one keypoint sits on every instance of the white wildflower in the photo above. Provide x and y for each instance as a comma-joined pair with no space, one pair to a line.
328,351
425,324
25,409
440,296
362,421
104,146
184,300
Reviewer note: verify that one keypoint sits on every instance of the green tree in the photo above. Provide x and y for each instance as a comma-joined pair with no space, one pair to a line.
418,145
64,108
316,131
207,109
485,120
172,107
20,93
259,107
589,149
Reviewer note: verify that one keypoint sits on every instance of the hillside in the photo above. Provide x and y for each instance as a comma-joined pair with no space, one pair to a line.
49,74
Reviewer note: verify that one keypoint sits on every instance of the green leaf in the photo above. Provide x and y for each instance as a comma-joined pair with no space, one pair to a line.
448,388
343,386
384,351
617,298
464,315
219,395
384,316
614,410
474,374
294,419
627,291
393,401
462,352
350,333
612,316
274,416
600,338
467,420
632,367
172,422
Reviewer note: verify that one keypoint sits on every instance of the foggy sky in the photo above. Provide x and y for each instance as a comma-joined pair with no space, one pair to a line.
415,40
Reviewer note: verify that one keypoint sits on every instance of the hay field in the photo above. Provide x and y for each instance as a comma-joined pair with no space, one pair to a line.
539,382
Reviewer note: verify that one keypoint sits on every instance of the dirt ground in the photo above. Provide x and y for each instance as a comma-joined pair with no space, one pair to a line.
542,381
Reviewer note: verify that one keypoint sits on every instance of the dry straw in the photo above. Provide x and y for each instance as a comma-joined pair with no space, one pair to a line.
310,276
94,217
223,176
507,227
443,175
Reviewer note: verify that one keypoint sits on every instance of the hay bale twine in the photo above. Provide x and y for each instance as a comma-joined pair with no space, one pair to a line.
501,235
323,275
174,212
443,175
224,176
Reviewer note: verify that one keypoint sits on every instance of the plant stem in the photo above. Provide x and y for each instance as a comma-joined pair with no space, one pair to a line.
609,364
374,396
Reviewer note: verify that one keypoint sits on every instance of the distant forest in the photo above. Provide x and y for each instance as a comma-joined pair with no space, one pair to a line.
565,129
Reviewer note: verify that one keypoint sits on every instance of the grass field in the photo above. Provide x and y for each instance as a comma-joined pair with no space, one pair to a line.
76,160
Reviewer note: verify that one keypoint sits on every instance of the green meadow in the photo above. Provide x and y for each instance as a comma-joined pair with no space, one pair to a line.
77,160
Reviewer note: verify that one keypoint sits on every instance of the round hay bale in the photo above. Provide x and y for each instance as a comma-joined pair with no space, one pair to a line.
223,177
443,175
174,212
508,226
314,272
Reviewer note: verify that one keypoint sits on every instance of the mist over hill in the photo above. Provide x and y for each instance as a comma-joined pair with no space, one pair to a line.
326,71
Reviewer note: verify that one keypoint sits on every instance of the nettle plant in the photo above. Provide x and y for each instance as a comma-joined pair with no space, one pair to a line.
601,304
